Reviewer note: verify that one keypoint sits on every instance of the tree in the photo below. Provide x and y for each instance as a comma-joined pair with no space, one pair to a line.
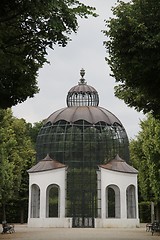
134,53
33,130
16,156
145,155
27,29
6,184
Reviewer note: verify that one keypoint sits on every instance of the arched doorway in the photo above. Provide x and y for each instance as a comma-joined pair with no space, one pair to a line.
112,202
52,201
131,201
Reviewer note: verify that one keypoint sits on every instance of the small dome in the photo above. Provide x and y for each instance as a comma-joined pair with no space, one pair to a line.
82,94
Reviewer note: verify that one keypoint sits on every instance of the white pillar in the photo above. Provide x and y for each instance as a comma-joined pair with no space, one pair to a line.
62,197
43,202
99,193
29,202
103,198
123,203
137,211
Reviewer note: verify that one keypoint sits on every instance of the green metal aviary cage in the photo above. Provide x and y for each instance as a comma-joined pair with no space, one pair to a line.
82,136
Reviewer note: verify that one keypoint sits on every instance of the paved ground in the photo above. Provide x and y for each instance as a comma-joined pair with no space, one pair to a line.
25,233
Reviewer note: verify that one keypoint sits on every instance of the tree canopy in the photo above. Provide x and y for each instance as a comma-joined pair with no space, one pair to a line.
27,29
145,155
133,47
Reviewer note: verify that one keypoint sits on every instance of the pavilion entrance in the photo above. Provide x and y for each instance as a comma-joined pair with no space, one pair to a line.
87,208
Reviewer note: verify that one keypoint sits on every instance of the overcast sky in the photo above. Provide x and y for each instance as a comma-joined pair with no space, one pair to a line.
86,51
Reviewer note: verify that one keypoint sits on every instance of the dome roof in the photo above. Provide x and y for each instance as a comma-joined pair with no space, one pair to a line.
82,94
83,88
90,114
82,133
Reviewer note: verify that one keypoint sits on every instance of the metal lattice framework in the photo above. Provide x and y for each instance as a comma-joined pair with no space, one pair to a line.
81,142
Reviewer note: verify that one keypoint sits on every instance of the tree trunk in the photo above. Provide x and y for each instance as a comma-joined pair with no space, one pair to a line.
4,211
158,212
152,212
22,215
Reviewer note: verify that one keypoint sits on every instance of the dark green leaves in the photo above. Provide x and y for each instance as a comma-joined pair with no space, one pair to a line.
27,29
145,154
134,53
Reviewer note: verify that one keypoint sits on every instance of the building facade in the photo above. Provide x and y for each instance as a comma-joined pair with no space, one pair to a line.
82,177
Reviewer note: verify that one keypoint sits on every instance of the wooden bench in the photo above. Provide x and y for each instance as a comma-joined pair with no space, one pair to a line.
155,227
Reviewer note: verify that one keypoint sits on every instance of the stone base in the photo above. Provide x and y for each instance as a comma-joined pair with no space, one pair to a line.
50,222
67,223
116,223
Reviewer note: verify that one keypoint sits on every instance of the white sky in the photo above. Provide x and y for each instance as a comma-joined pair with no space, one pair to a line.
86,51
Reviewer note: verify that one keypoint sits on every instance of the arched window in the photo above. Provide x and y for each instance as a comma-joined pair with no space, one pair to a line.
52,201
112,202
131,202
35,201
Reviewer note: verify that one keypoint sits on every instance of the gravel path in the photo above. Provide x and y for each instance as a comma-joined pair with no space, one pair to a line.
25,233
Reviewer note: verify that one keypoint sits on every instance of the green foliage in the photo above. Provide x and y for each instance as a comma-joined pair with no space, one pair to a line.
33,131
133,47
145,212
7,178
145,154
27,29
17,154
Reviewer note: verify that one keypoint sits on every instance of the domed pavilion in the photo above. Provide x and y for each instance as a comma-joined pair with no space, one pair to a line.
82,177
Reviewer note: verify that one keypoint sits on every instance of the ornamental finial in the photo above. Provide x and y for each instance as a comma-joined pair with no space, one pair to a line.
82,73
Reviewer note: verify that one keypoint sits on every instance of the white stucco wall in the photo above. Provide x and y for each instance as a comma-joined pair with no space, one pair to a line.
122,180
43,180
106,178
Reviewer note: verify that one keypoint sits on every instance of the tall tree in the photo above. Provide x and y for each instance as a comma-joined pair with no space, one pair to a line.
16,156
134,53
27,29
145,154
